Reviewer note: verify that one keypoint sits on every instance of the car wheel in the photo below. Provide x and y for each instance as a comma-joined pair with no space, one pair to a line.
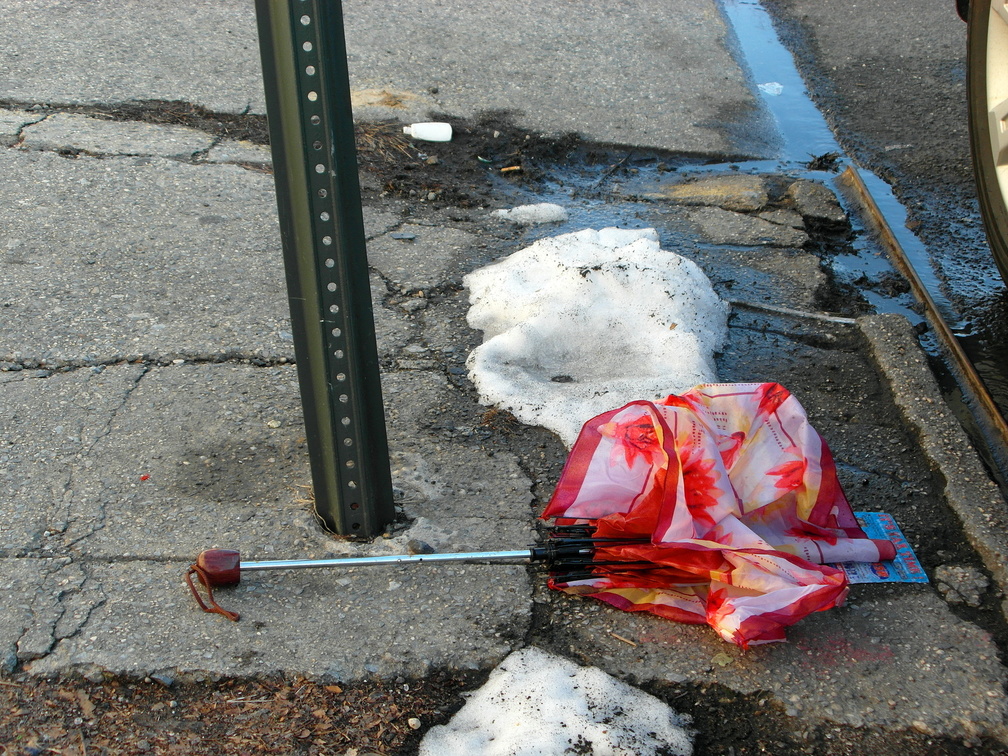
987,91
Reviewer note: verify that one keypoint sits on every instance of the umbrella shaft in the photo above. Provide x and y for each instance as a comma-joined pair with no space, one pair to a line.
475,556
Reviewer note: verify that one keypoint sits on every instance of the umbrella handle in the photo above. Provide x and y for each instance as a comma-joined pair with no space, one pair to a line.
222,567
215,568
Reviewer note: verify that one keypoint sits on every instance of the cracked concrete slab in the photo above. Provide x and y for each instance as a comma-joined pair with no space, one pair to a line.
97,136
45,601
222,466
393,329
891,658
49,425
341,624
731,228
228,462
60,606
212,455
378,222
20,580
817,203
423,258
175,260
440,481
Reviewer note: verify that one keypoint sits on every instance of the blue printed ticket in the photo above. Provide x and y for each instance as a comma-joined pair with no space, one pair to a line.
903,569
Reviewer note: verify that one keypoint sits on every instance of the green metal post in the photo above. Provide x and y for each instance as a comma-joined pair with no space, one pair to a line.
322,229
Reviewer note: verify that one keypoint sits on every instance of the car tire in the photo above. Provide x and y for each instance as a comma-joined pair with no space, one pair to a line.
987,93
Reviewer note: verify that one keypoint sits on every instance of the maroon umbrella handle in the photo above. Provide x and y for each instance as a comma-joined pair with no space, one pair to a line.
215,568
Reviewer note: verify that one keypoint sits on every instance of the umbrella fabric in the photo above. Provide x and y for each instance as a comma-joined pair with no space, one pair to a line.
733,501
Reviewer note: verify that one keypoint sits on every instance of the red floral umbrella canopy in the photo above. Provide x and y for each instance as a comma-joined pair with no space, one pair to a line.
725,505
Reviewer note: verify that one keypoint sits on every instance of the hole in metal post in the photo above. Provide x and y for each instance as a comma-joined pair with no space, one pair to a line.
307,47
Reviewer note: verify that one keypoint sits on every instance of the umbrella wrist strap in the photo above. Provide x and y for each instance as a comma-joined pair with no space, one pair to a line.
210,605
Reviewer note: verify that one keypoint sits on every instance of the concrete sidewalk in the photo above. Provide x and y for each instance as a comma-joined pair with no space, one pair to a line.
149,408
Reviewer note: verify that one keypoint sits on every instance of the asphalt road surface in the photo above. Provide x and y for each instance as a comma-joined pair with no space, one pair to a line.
890,77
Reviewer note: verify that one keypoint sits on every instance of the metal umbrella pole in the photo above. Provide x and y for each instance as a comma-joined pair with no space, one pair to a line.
563,551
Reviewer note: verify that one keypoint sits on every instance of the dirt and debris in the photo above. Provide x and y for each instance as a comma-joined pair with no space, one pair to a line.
757,724
122,716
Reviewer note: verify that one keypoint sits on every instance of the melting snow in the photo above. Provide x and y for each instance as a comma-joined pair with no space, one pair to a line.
530,215
582,323
538,704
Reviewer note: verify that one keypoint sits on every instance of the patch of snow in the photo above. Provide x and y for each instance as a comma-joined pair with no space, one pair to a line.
531,215
582,323
539,704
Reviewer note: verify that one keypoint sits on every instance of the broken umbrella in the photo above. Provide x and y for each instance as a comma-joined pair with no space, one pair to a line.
719,506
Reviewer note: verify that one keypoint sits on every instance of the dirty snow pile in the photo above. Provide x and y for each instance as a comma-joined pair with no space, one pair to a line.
538,704
582,323
531,215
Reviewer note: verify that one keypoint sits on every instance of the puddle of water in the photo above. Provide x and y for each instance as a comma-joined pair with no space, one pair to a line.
805,134
804,130
801,125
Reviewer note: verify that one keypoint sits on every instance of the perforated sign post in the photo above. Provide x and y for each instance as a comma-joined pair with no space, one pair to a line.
322,229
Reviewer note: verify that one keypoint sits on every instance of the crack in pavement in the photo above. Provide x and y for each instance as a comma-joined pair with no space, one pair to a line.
244,126
46,368
59,612
94,515
46,611
74,134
